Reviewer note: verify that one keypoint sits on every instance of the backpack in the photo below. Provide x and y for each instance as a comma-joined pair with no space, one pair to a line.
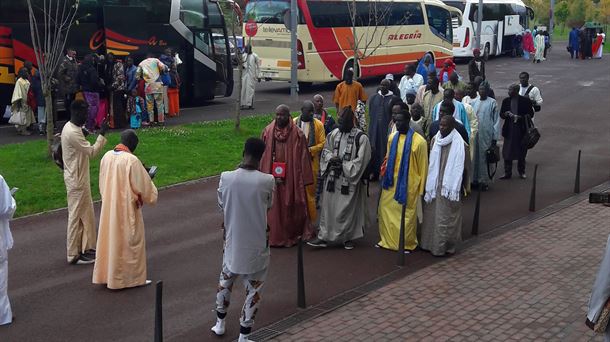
535,106
368,171
57,151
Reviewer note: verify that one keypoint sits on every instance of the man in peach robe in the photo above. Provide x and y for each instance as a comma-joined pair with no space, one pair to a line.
125,186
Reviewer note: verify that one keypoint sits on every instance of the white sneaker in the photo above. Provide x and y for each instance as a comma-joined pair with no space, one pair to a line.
219,328
243,338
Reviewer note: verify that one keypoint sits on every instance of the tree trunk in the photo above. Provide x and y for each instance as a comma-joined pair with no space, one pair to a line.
239,86
50,124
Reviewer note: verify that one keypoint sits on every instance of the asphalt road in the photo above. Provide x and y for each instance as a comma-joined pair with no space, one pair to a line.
54,301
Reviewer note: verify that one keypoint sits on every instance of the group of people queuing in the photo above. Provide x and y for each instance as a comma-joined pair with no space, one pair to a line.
534,43
117,90
586,43
307,178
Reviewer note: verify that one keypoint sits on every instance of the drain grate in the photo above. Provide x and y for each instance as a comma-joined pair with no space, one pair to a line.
263,335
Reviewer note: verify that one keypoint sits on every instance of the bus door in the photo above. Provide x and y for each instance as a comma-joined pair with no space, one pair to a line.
7,67
211,50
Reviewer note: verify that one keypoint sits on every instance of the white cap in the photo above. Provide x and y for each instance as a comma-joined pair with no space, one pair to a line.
389,77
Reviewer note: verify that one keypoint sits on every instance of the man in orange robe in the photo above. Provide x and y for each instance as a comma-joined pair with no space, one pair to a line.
125,186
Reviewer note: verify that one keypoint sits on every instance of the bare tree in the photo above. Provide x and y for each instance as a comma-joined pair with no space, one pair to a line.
49,28
233,17
370,27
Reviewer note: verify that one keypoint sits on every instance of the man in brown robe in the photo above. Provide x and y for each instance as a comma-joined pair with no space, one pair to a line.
125,187
287,158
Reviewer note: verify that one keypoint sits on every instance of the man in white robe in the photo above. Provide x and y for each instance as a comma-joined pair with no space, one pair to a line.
7,209
445,184
345,157
250,76
125,186
600,294
76,152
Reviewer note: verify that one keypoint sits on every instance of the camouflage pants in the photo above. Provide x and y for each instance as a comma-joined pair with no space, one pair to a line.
254,286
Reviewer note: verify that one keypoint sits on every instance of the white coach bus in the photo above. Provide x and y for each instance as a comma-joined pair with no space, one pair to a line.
502,20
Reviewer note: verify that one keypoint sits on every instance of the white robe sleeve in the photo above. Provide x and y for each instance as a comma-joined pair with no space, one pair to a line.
601,288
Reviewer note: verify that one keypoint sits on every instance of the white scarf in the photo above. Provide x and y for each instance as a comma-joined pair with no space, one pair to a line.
390,93
454,170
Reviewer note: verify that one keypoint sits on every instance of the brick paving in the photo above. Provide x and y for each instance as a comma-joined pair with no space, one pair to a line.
531,283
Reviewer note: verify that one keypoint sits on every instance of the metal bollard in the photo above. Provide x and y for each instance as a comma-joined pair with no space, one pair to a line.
159,312
300,277
401,238
475,219
577,179
533,193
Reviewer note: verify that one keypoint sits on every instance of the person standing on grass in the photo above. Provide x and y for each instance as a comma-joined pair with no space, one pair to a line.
288,159
76,152
321,114
345,157
7,209
348,92
125,186
251,75
488,117
445,184
245,195
313,129
402,184
514,110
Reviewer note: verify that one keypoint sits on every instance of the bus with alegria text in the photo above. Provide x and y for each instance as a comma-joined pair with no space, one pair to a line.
389,34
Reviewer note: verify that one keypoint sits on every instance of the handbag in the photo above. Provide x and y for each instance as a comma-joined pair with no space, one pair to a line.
602,321
17,118
532,135
7,112
492,156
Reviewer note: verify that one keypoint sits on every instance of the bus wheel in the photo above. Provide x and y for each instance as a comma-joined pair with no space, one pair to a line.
305,85
486,52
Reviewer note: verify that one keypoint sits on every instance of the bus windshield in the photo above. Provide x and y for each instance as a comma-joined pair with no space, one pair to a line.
440,23
267,11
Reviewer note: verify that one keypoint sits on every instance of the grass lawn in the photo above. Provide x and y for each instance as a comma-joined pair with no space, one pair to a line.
182,153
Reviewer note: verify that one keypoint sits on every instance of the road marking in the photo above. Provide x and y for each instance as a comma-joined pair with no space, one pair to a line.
586,83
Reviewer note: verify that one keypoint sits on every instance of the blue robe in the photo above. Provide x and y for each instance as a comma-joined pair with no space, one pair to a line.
574,43
422,70
459,114
380,115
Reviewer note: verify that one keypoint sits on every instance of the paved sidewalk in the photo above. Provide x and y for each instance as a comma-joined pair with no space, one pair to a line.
529,283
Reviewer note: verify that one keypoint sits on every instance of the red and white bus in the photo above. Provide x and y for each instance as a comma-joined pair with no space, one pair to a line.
389,34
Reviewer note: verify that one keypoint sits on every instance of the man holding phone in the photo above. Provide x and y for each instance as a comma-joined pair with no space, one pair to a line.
125,186
76,152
